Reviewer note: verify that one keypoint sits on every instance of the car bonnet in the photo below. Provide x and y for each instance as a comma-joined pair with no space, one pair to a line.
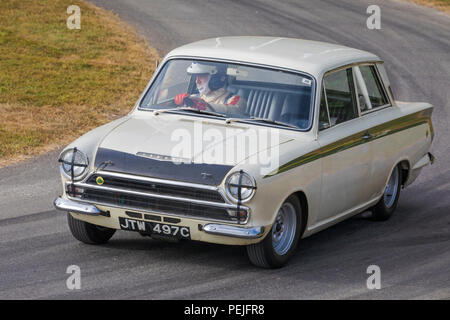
185,148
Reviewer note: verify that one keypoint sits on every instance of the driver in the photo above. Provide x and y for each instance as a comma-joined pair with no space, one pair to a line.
211,80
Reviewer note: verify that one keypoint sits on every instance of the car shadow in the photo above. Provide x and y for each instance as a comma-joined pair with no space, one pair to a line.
189,251
355,238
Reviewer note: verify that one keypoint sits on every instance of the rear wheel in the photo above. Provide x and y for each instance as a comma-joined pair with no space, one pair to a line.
279,244
384,209
87,232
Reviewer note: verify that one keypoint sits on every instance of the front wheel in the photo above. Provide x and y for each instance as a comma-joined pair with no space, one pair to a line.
384,209
279,244
87,232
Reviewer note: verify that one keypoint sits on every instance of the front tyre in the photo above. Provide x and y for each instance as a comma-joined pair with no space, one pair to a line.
87,232
279,244
384,209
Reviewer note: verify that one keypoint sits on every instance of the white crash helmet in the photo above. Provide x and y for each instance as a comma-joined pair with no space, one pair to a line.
198,68
218,73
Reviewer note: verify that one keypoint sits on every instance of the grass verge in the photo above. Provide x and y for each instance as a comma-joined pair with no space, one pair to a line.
442,5
57,83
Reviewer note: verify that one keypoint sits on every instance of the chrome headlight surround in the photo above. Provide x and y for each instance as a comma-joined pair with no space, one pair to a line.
73,164
242,182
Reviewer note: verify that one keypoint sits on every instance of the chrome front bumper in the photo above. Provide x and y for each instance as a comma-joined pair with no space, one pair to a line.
231,231
83,208
211,228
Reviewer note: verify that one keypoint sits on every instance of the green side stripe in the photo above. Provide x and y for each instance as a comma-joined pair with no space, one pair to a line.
354,140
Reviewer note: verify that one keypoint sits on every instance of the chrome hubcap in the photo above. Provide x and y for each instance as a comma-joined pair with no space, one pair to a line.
390,192
283,230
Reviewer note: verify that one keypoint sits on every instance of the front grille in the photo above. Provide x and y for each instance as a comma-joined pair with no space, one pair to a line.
180,208
158,188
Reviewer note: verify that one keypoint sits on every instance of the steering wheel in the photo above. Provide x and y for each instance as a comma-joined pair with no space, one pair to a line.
197,103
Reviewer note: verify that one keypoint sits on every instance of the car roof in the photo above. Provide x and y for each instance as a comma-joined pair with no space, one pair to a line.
313,57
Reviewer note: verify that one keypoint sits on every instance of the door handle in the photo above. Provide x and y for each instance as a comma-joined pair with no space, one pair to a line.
367,136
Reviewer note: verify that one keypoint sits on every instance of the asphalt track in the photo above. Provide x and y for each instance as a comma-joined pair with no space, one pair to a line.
412,249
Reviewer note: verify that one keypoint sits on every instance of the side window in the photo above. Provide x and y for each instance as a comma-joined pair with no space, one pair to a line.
385,79
324,120
374,90
340,95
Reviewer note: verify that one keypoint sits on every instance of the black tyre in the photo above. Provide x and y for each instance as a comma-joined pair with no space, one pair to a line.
87,232
384,209
280,243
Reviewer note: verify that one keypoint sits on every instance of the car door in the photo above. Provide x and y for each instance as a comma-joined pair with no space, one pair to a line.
375,112
346,157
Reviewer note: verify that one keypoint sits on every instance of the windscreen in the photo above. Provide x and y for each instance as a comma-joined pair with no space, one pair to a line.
234,91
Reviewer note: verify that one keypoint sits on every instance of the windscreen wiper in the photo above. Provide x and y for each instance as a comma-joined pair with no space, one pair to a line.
279,123
190,109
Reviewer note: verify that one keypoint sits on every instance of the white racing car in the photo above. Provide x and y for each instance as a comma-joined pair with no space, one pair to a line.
250,141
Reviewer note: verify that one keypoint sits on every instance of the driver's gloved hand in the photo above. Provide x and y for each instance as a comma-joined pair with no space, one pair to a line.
183,99
179,98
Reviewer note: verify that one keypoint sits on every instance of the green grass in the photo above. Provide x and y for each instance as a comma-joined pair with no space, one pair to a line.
56,83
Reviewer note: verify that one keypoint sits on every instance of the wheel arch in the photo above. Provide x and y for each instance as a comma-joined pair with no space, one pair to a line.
404,165
301,196
405,168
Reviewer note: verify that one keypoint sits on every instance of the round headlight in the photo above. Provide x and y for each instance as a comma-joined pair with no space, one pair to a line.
74,163
240,182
